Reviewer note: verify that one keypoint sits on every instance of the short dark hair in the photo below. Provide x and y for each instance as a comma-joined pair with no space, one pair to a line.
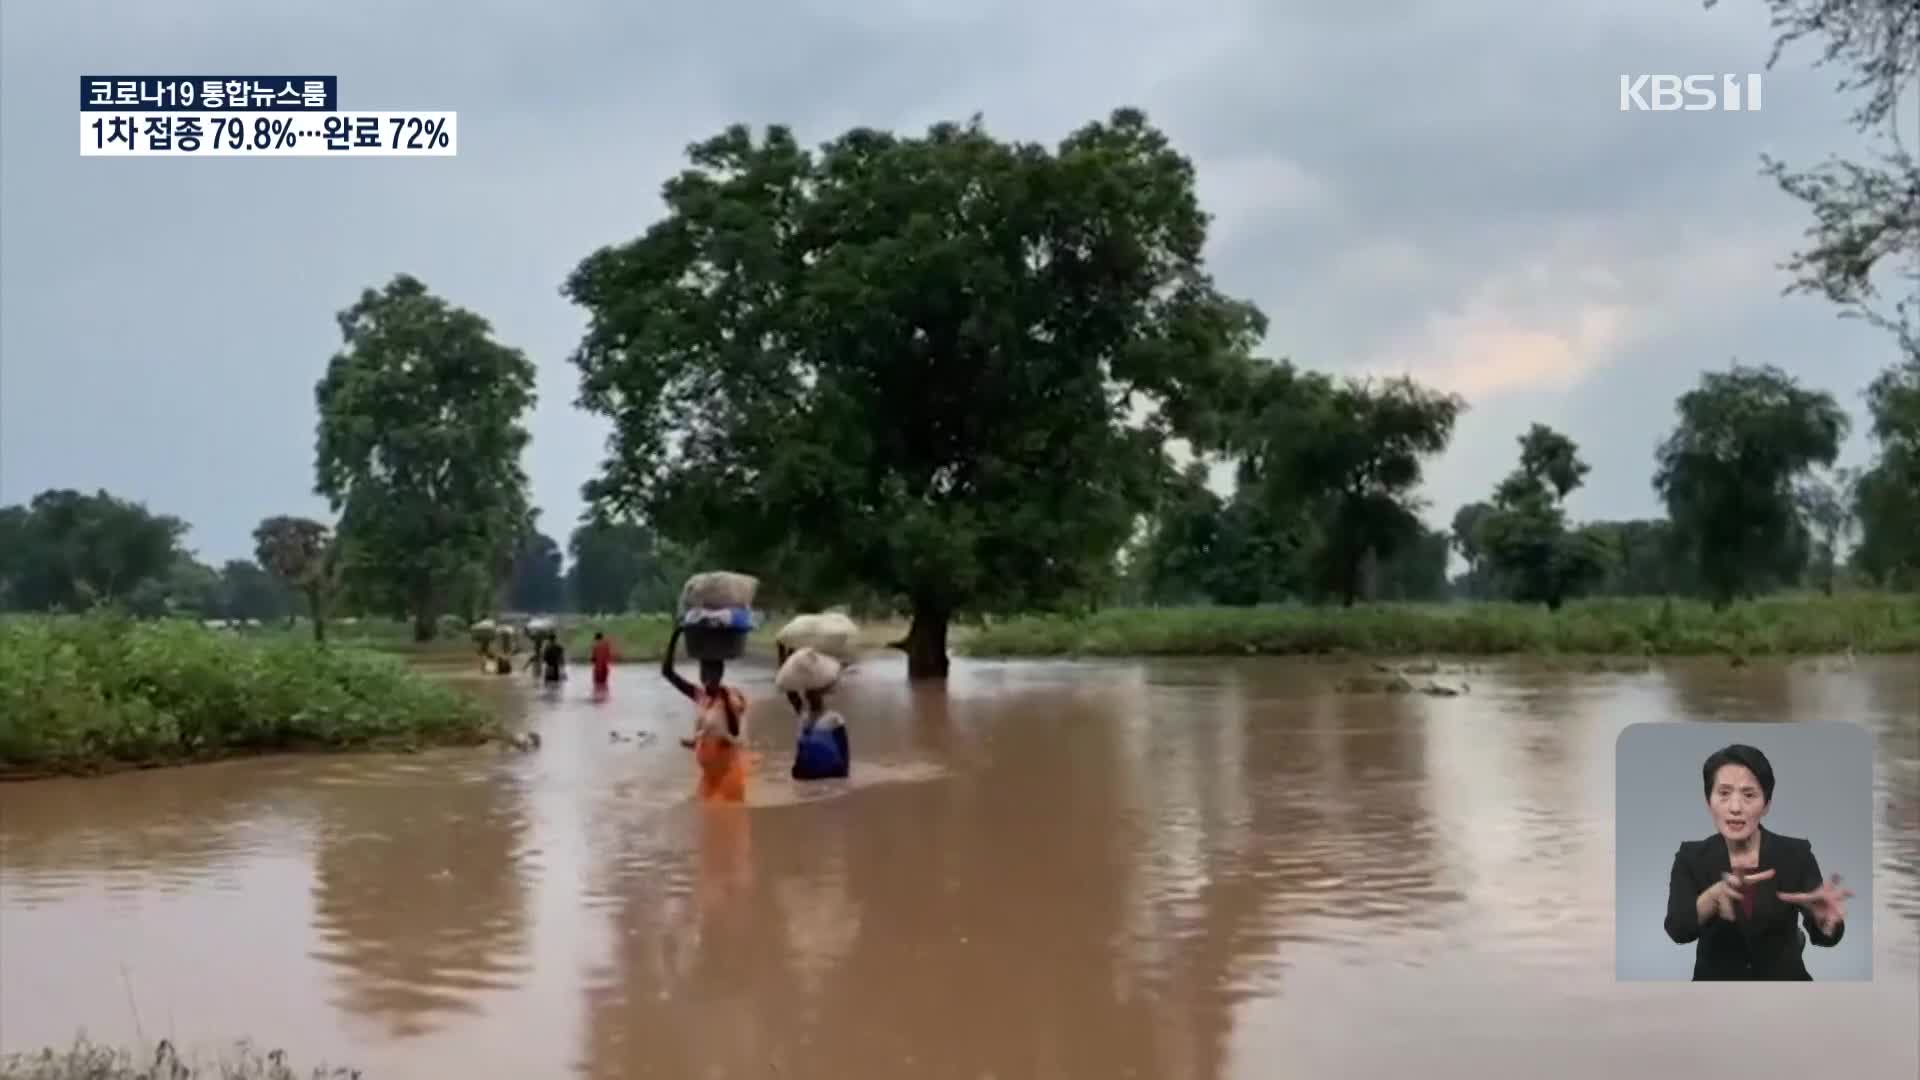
1747,757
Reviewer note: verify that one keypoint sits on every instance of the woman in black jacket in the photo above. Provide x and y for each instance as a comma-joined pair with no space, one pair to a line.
1744,893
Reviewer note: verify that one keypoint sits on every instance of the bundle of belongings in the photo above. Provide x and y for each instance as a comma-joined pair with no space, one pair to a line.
716,614
830,633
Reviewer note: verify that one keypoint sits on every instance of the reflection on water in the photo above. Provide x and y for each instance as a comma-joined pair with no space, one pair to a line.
1187,869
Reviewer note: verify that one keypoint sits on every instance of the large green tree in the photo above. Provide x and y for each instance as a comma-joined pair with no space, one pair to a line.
71,551
420,438
1728,473
1342,459
1533,555
1886,499
942,367
305,555
1866,215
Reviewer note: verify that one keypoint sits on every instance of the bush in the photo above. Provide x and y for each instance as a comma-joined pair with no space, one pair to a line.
1864,622
78,692
87,1061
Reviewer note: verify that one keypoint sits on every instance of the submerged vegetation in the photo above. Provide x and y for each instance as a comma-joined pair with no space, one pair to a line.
82,693
1778,625
85,1060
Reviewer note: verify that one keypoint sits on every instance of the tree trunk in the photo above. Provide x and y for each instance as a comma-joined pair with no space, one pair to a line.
318,609
926,644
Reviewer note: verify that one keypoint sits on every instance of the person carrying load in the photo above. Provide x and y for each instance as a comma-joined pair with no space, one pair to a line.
715,617
814,650
821,750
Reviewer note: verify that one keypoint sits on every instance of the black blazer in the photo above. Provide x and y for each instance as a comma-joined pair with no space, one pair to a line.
1767,946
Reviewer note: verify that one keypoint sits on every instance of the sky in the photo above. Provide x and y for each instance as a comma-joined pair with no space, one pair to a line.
1439,189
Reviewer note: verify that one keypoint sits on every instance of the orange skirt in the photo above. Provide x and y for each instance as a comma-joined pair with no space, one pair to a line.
723,769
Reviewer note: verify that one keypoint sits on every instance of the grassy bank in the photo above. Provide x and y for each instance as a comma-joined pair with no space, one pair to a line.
87,1061
1773,626
87,693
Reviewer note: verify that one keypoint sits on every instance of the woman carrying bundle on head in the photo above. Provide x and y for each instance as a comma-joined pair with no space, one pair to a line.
715,619
813,653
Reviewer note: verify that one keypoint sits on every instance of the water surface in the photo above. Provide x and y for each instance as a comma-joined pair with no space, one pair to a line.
1192,869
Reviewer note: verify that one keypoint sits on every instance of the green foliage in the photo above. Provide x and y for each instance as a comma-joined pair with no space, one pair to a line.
1887,495
420,438
1780,625
66,551
881,363
78,692
1643,558
1341,461
1728,473
1523,537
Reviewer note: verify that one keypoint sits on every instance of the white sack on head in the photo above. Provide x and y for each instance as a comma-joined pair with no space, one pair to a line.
830,632
718,589
807,670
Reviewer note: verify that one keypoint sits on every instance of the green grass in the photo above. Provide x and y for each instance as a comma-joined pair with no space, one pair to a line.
87,693
87,1061
1771,626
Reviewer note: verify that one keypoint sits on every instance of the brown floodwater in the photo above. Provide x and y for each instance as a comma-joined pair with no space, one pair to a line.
1181,869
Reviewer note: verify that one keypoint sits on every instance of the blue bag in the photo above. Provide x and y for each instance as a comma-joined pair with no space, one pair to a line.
733,618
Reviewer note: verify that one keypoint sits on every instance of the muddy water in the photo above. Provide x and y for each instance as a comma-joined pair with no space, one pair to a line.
1184,870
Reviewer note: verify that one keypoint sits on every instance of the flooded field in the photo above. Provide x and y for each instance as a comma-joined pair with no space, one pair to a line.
1190,870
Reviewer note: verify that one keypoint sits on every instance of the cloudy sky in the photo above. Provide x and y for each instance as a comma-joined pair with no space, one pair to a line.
1446,189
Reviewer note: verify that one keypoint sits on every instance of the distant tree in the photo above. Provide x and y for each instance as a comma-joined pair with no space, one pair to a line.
1887,495
1465,536
1827,509
192,588
1203,548
304,554
249,592
537,584
1729,470
612,564
912,364
1525,538
420,438
1344,458
1644,558
70,552
1865,216
1417,573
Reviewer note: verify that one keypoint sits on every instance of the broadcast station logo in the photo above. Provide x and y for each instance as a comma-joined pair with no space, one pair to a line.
1689,93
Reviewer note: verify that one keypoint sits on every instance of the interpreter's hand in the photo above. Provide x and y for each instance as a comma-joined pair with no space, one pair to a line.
1724,894
1827,904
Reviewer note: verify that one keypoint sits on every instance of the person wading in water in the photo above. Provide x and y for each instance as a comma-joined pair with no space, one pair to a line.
719,727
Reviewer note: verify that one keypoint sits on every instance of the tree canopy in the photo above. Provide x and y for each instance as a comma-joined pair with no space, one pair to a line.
1728,472
66,550
420,437
944,365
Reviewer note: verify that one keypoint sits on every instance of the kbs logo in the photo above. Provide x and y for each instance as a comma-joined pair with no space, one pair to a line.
1689,93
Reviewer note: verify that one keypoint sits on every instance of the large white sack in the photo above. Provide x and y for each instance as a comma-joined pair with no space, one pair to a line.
829,632
718,589
807,670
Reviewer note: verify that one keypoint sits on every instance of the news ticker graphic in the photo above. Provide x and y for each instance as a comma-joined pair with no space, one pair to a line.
249,116
348,134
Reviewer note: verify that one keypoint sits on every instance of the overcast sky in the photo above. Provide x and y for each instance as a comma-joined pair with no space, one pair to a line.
1446,189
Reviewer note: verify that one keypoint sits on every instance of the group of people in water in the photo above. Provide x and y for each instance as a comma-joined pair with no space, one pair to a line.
822,748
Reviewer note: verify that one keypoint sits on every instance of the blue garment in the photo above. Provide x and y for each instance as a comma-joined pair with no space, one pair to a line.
822,754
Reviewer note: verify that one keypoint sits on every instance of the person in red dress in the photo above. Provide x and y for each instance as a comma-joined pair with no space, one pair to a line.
602,660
